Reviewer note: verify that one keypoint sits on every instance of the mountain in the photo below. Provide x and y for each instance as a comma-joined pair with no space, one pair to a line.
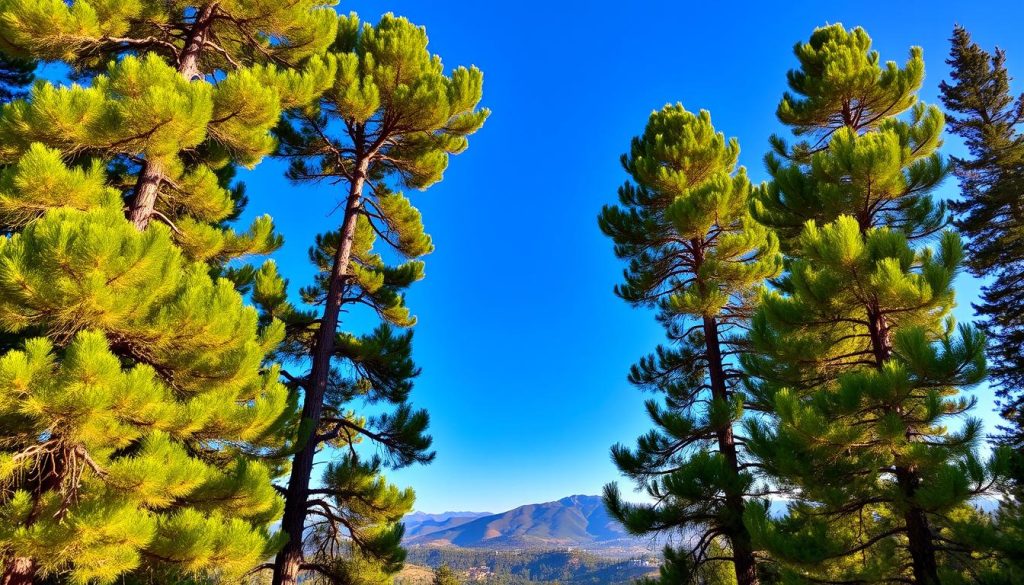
576,521
420,523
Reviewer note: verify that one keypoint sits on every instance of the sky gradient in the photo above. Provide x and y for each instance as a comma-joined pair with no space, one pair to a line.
523,346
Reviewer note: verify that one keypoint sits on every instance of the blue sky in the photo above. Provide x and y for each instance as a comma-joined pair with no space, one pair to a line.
523,346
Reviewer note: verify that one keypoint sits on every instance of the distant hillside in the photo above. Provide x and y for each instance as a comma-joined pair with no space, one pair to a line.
420,523
576,521
535,567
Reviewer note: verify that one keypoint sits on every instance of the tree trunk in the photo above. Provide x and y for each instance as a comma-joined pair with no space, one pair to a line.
881,342
289,560
19,571
739,537
144,199
143,202
188,61
920,540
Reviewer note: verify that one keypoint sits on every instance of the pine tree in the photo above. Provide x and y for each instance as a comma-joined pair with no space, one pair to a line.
142,421
391,118
444,575
696,255
856,349
991,213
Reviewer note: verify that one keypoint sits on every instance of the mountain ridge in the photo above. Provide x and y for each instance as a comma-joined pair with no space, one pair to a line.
573,521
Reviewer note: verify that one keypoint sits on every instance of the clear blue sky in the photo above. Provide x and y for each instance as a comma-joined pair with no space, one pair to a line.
523,346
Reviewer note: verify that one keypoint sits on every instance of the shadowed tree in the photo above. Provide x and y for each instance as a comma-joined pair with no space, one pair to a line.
696,255
15,76
991,213
392,117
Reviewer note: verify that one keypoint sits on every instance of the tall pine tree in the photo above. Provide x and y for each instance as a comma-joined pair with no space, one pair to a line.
140,412
697,255
391,118
857,355
991,212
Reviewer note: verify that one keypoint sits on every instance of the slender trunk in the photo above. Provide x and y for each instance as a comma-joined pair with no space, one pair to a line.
920,540
19,571
143,202
188,61
144,198
881,342
289,560
739,537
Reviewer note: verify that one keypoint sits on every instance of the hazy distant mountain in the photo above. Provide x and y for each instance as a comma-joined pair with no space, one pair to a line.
419,523
576,521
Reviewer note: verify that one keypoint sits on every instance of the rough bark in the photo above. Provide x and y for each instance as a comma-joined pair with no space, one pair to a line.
143,202
289,559
19,571
920,541
742,547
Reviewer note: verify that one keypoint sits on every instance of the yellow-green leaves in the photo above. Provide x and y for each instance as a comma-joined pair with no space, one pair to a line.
686,226
405,225
862,160
150,396
679,151
95,408
245,108
78,32
355,94
841,82
41,181
141,106
54,29
396,99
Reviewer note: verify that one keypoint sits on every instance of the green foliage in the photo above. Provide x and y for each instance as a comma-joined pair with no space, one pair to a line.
687,214
988,117
128,428
156,124
403,115
697,255
357,530
856,352
85,32
862,160
444,575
